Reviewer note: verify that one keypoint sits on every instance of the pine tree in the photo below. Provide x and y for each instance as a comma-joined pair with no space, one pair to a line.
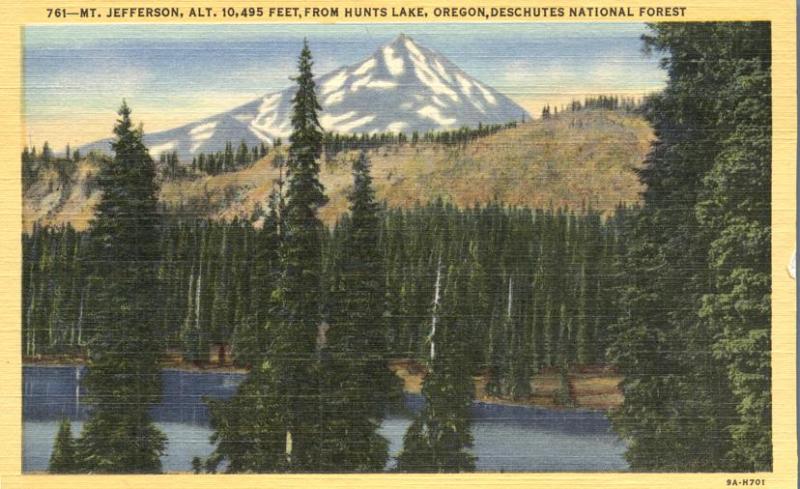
440,436
289,371
698,251
242,155
496,354
249,428
736,210
297,294
519,386
47,153
477,305
63,460
583,335
123,380
359,384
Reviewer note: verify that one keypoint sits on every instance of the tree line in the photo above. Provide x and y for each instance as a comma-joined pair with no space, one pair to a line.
540,278
334,143
230,159
35,163
227,160
596,102
170,166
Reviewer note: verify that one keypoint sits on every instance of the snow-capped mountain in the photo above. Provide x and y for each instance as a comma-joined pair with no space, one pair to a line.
402,87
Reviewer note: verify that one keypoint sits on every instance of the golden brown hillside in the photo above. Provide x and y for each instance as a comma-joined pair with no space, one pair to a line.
568,160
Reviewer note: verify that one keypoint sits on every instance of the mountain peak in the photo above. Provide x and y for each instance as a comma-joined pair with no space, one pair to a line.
406,46
401,40
401,87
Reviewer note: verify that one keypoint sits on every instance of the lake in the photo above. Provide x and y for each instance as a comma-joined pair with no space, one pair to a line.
507,438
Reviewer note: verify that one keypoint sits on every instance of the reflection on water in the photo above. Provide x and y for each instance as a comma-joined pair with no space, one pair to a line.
507,438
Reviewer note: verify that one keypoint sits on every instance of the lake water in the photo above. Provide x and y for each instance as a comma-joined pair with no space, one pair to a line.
507,438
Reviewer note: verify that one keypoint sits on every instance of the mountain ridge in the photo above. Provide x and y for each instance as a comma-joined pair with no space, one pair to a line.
401,87
574,159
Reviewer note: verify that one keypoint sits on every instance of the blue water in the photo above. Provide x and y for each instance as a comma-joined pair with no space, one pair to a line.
507,438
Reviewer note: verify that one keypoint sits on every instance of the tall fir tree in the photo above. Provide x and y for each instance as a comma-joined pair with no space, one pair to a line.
735,208
359,383
440,436
63,459
693,329
124,379
286,426
297,294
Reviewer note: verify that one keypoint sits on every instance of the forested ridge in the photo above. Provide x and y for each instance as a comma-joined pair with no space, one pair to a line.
575,159
674,293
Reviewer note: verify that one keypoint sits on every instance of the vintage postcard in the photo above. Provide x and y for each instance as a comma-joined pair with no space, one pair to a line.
379,244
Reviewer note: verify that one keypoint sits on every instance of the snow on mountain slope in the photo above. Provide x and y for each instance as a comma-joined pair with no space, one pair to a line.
402,87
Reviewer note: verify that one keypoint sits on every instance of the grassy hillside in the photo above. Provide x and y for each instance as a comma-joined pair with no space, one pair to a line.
55,199
573,159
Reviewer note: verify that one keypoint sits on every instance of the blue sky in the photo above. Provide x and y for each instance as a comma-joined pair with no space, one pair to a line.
76,76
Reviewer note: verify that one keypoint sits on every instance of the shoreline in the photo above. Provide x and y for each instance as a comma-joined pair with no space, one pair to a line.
592,391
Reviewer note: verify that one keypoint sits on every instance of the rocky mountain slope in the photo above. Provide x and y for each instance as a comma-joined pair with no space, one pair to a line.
401,87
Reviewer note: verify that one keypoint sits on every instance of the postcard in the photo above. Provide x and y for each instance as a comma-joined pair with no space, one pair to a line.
378,244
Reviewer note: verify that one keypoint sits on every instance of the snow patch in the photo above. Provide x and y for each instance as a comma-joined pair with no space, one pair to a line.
396,126
439,102
273,121
160,148
361,82
328,120
203,136
466,88
396,65
349,126
269,103
267,112
412,48
428,76
432,113
259,134
335,82
266,121
442,72
334,98
487,94
382,84
209,126
344,122
466,85
364,68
